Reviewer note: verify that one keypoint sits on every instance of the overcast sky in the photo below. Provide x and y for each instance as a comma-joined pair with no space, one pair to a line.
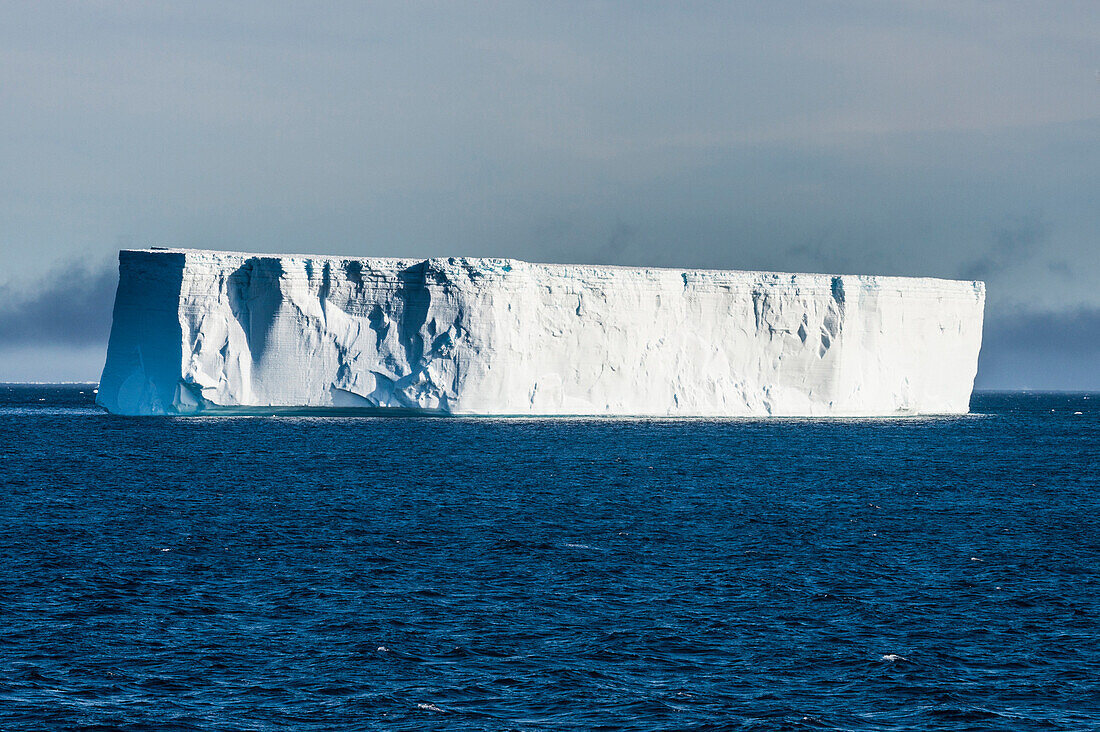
952,139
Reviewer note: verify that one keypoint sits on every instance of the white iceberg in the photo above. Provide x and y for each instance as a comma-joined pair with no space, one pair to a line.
207,332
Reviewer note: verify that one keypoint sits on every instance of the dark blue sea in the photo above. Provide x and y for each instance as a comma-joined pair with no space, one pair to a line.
361,573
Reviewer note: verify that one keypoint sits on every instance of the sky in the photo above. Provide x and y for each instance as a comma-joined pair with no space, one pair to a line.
950,139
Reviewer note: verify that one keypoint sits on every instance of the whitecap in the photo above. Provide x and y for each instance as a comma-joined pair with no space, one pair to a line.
429,707
891,657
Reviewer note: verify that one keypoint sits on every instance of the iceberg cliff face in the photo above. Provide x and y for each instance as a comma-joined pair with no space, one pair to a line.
202,332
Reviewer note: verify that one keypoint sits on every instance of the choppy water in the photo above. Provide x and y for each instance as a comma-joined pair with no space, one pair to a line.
296,573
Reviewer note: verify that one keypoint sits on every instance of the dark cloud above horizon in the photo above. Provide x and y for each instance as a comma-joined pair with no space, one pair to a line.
932,138
69,306
1076,332
1014,244
1041,350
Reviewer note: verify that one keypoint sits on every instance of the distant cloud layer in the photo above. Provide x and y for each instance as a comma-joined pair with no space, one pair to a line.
1075,333
1014,244
1041,350
69,306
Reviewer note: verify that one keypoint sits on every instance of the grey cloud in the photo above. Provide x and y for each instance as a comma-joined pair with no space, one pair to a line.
1060,267
622,237
1014,242
71,305
1074,332
820,254
1041,350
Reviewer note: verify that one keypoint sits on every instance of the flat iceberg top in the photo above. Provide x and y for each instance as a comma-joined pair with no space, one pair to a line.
209,332
490,264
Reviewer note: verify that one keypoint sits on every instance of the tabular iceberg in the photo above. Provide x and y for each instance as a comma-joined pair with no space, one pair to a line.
206,332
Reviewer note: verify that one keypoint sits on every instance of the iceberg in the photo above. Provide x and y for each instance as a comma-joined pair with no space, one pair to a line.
199,332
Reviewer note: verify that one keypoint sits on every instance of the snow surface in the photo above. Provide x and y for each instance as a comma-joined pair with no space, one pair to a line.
201,332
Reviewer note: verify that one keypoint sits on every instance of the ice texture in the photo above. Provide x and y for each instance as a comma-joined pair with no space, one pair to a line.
208,332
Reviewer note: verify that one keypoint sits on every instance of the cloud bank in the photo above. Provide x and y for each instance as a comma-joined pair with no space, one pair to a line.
1041,350
70,306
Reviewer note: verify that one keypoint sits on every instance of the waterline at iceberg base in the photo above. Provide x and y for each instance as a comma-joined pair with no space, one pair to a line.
206,332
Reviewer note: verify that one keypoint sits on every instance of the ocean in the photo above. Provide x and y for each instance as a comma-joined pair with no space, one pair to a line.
409,573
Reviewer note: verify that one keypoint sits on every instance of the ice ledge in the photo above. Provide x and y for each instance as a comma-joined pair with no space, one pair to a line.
204,332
